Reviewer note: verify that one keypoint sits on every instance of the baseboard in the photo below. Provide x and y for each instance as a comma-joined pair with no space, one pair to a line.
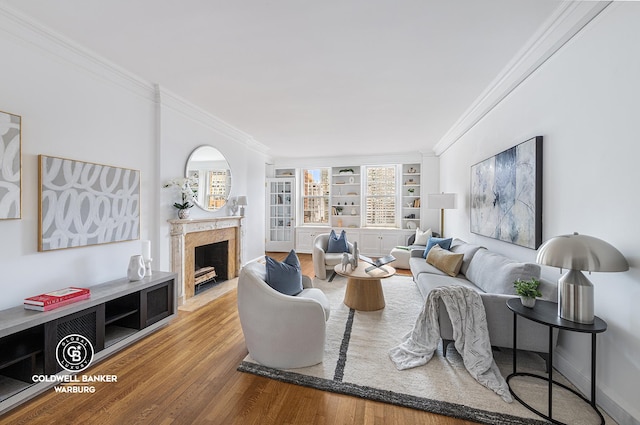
562,363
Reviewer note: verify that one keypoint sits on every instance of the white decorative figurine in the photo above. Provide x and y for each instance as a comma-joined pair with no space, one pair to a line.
345,261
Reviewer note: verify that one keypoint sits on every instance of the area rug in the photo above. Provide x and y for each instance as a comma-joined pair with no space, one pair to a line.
356,362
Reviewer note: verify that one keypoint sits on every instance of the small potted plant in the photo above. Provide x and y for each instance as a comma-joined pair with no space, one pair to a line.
528,291
339,210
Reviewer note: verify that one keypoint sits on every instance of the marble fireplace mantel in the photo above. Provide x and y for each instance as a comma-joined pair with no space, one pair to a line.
188,234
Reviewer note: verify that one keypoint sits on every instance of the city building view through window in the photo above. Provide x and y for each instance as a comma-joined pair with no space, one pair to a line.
315,196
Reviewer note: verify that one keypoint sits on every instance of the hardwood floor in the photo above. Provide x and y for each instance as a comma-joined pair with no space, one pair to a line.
186,374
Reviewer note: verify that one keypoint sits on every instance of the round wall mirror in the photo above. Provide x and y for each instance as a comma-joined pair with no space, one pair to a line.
211,177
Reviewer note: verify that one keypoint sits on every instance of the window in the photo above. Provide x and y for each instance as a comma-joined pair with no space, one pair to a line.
315,196
219,181
380,196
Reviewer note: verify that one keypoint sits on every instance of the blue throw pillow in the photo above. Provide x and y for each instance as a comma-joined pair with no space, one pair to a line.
286,276
443,243
338,244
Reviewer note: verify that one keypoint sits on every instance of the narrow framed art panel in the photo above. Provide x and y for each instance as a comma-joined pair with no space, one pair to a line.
82,204
506,195
10,166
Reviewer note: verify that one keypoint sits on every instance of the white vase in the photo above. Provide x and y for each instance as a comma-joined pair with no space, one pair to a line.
183,214
136,268
528,301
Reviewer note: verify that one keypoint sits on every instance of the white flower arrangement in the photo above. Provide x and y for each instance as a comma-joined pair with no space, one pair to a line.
185,185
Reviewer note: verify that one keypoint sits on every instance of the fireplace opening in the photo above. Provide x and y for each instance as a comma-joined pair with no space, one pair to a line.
211,265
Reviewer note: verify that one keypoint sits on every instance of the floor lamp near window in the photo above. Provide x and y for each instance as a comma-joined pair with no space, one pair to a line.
441,201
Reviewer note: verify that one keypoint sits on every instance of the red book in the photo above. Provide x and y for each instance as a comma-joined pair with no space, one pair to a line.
55,297
48,307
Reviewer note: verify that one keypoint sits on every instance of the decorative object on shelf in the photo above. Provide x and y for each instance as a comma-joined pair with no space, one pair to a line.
346,171
411,225
506,195
411,170
146,257
84,204
411,190
528,291
135,271
233,205
56,299
10,158
410,181
352,180
441,201
242,202
354,211
579,253
352,194
187,194
339,210
339,222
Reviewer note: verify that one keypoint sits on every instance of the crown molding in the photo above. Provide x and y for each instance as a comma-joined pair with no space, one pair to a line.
35,35
31,33
166,98
566,21
337,161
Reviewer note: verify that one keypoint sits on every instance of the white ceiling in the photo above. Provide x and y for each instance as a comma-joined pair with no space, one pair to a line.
310,78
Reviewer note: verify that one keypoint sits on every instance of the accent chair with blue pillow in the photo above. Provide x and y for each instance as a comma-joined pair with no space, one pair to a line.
323,258
281,331
337,244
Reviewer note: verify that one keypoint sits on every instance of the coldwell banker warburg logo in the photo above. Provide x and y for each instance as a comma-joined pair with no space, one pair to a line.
74,354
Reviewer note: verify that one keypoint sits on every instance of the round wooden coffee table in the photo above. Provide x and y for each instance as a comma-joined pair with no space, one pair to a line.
364,289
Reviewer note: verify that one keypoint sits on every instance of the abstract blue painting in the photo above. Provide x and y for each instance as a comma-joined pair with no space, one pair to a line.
506,195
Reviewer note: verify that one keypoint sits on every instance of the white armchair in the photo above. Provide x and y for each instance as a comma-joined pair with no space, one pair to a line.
323,260
281,331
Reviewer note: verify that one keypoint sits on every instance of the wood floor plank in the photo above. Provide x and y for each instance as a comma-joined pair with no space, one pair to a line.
186,374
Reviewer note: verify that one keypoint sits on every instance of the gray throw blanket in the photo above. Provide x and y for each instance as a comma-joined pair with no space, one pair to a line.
470,333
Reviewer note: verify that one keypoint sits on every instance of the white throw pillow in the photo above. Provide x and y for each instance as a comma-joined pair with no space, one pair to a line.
422,237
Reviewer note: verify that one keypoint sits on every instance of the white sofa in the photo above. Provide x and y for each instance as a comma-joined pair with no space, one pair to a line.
492,275
281,331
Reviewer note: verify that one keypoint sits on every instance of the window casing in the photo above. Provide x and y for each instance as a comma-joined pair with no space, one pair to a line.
315,196
381,196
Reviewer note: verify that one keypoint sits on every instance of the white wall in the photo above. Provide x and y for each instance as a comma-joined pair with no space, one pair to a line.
183,128
584,101
71,113
76,105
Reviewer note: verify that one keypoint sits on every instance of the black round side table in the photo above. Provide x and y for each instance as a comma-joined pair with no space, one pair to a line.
546,313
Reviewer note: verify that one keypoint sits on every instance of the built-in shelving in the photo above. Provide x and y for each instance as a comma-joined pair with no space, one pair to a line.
346,193
411,198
